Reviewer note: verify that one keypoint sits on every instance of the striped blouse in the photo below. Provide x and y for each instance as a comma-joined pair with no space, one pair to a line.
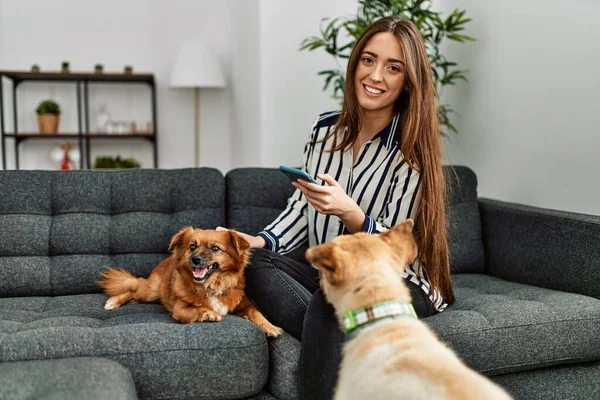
384,186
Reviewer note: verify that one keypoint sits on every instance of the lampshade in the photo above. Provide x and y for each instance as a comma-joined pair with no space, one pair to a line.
196,66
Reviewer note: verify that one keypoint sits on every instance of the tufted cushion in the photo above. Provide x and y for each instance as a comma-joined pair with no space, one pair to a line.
228,359
60,229
464,224
64,379
256,196
500,327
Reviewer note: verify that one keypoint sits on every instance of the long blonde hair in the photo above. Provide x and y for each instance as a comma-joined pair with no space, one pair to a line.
420,145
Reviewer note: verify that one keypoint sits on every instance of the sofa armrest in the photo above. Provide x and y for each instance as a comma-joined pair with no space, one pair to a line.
546,248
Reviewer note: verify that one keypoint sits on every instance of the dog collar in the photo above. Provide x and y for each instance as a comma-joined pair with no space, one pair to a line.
354,319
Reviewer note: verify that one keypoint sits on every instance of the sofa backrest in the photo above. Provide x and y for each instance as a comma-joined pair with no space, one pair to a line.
256,196
60,229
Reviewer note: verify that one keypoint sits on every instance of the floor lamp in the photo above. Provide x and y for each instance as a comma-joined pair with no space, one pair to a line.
196,67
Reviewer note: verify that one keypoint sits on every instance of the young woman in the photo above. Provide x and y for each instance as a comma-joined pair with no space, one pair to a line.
379,161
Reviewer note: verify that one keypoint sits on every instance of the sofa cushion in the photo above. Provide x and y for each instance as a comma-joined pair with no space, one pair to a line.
256,196
464,224
66,379
227,359
60,229
500,327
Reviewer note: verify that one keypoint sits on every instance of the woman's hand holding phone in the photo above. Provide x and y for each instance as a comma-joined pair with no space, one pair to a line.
331,199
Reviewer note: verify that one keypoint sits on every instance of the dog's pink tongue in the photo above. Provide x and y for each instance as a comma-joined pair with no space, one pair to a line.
200,272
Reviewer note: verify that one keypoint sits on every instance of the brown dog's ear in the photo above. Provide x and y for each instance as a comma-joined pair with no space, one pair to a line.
177,239
400,238
238,241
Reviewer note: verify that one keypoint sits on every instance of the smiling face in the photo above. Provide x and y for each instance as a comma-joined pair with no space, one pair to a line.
380,74
205,254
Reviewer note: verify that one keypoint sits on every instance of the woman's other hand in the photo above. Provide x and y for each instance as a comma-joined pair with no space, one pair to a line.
255,242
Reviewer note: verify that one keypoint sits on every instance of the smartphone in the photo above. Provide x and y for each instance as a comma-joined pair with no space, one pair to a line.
295,174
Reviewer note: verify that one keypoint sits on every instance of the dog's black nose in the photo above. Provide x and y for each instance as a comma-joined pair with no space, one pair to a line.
196,260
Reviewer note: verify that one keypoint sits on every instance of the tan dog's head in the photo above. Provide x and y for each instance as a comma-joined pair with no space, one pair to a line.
362,269
206,256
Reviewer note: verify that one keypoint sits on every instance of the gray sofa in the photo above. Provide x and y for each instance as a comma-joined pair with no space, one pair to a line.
527,282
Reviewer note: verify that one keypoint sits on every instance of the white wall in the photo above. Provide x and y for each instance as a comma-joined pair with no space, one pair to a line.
529,118
142,33
292,95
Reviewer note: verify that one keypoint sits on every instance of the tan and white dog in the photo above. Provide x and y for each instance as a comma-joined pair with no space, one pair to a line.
389,353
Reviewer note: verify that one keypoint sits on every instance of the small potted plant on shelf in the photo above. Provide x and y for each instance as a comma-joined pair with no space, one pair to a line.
107,162
48,112
35,68
99,68
128,70
65,67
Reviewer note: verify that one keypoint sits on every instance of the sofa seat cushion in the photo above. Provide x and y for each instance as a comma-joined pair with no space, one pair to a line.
66,379
227,359
501,327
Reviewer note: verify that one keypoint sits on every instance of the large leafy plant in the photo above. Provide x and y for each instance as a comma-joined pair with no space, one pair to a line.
432,26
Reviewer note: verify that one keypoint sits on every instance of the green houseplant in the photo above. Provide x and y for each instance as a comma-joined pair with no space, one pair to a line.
338,36
65,67
107,162
48,112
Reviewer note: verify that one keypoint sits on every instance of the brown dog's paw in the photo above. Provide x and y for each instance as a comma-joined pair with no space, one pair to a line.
270,330
112,303
209,316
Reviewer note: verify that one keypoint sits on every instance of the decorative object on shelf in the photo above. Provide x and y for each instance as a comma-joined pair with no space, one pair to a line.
98,68
196,66
66,154
48,112
118,127
128,70
338,37
102,119
65,67
107,162
35,68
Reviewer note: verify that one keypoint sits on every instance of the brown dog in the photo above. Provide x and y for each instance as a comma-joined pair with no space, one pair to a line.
389,353
201,281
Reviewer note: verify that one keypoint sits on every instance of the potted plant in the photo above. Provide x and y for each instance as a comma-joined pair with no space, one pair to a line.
107,162
338,36
48,112
99,68
35,68
128,70
65,67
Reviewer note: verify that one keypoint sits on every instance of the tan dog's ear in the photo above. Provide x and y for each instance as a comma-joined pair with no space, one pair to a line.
322,256
400,238
238,241
177,239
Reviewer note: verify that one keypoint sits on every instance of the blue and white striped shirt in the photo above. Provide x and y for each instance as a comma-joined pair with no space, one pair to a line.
380,181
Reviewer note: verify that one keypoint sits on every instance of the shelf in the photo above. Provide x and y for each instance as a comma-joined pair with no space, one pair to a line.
76,136
77,76
82,82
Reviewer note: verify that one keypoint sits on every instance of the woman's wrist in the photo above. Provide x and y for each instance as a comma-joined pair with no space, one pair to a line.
259,242
353,219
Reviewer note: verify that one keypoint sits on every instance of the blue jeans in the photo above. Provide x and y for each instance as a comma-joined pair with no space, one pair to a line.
288,294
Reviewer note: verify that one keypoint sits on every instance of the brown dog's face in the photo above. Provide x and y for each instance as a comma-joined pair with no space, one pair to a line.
203,254
352,265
